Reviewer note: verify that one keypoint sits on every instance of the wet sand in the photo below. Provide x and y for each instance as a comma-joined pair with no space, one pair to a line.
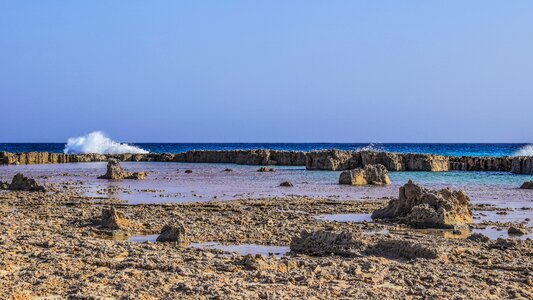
51,246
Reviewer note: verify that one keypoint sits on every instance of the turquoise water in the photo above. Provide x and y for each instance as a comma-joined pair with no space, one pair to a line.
167,182
493,149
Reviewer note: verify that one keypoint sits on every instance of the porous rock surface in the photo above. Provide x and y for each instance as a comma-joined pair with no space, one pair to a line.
116,172
113,219
420,207
370,174
22,183
175,234
326,242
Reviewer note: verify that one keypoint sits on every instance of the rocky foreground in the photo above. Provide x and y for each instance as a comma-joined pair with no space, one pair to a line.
54,245
315,160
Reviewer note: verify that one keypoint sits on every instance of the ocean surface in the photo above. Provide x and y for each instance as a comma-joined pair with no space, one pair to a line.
443,149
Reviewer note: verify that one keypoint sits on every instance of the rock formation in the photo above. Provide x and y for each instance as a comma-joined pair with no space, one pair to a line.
370,174
266,169
175,234
23,183
517,230
522,165
113,219
116,172
406,248
528,185
335,160
286,184
419,207
323,242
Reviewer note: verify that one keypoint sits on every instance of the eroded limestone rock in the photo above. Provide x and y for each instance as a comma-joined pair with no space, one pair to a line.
175,234
113,219
23,183
406,248
320,243
420,207
370,174
116,172
528,185
517,230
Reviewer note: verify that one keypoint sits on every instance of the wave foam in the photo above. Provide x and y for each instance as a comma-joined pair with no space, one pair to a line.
97,142
526,150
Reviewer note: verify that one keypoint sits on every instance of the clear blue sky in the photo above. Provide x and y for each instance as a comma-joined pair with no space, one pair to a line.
267,71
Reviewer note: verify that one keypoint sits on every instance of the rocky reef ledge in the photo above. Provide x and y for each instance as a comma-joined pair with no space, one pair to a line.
335,160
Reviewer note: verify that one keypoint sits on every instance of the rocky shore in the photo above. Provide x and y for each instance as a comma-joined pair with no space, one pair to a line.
335,160
61,244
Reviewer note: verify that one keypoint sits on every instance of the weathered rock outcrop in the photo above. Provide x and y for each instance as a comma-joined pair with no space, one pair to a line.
116,172
522,165
23,183
286,184
370,174
323,242
113,219
528,185
175,234
419,207
331,160
266,169
315,160
406,248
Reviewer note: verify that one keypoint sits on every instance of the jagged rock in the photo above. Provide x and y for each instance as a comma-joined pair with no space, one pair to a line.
522,165
188,171
265,169
23,183
113,219
286,183
516,230
320,243
371,174
228,170
395,248
175,234
528,185
331,160
423,208
116,172
479,238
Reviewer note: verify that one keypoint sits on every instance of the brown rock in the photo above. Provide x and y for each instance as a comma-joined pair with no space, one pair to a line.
286,184
22,183
116,172
265,169
528,185
517,230
175,234
113,219
423,208
320,243
395,248
370,174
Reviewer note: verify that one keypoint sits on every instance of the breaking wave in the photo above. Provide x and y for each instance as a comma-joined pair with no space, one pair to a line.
97,142
526,150
371,147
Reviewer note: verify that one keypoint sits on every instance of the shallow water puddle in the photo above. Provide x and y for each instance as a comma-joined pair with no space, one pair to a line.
493,233
244,249
345,218
143,238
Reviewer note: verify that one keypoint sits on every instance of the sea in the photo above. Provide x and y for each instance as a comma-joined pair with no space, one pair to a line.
451,149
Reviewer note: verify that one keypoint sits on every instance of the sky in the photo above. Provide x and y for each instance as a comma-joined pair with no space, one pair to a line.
267,71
